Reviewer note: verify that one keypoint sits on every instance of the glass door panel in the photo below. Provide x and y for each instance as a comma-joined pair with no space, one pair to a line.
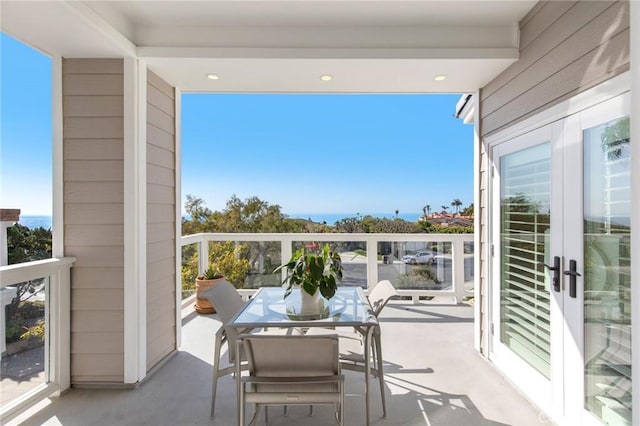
607,279
525,197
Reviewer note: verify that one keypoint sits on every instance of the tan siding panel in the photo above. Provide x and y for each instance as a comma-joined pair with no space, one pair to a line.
161,213
158,232
160,157
160,138
92,256
155,354
608,60
97,365
159,348
97,299
106,365
158,319
92,84
94,170
97,321
93,127
154,80
545,17
160,119
93,192
93,106
97,277
93,66
94,235
160,175
160,100
568,24
94,213
572,49
97,343
160,251
90,379
158,194
159,270
94,149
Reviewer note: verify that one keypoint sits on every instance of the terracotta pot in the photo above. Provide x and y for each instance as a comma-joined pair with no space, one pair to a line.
202,305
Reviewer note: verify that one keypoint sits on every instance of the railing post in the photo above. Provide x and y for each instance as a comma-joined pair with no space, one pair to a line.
286,250
457,277
203,255
372,261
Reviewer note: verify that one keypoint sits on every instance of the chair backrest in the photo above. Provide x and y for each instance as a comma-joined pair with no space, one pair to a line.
227,301
292,356
380,295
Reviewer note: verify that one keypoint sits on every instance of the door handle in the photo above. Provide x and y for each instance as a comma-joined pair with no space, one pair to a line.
573,274
555,279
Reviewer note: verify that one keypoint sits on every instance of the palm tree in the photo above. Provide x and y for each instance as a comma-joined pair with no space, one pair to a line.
424,211
428,209
456,203
397,211
444,208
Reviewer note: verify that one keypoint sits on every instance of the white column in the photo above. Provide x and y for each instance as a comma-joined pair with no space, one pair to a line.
635,205
178,168
135,220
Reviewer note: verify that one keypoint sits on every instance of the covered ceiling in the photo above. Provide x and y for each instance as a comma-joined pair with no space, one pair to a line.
285,46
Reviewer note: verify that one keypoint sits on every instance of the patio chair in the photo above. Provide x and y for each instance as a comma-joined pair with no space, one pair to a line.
291,370
354,359
227,302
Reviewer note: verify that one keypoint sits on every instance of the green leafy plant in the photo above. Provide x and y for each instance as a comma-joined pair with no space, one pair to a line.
313,270
211,274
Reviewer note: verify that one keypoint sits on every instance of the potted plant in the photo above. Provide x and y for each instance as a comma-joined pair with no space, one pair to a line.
315,271
205,281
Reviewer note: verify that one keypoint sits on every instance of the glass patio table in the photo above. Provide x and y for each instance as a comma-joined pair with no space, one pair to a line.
349,307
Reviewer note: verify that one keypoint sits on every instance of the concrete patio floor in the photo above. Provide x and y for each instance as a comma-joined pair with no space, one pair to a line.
433,375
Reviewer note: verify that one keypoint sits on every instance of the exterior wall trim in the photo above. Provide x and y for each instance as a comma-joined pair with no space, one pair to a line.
135,222
178,205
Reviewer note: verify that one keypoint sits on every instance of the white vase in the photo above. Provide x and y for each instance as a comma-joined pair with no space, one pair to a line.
310,304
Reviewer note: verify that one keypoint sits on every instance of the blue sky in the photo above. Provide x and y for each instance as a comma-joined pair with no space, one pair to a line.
25,128
327,153
308,153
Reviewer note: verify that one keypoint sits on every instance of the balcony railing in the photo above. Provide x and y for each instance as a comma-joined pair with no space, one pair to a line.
447,270
35,335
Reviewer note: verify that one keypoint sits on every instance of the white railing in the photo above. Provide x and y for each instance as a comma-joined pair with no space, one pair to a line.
454,260
56,274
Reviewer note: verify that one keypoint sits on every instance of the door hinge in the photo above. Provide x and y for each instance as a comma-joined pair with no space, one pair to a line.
492,329
492,250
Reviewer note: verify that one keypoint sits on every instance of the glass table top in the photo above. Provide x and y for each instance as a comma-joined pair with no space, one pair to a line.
268,308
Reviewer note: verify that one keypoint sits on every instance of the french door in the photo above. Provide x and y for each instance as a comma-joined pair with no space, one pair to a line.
561,299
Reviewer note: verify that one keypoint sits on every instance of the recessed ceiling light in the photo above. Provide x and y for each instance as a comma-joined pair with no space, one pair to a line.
212,77
326,77
440,77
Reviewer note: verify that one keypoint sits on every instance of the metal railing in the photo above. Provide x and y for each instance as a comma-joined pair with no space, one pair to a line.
367,258
45,354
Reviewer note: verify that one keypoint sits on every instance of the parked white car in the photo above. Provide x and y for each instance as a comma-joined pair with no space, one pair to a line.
426,257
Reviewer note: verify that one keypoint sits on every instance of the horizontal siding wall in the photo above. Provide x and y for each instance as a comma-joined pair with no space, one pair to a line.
94,216
565,48
161,225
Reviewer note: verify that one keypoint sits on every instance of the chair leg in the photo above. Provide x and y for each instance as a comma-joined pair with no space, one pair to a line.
216,364
378,358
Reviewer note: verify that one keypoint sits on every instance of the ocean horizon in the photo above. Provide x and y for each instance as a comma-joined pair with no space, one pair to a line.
35,221
332,218
43,221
